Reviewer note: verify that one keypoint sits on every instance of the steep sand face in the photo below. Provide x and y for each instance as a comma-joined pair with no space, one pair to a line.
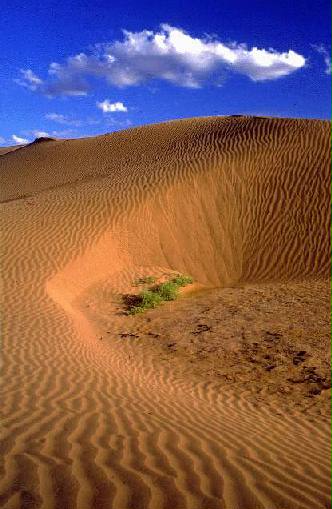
226,198
87,424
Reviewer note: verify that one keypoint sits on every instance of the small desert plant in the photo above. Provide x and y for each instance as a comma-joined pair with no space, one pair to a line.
151,297
182,280
167,290
147,299
146,280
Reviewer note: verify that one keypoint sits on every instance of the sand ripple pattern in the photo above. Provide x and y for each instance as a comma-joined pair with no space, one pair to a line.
85,424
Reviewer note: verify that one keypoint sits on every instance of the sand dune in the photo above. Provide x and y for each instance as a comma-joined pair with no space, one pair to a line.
92,423
6,150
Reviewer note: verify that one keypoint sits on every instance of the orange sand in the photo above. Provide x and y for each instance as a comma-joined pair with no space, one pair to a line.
90,423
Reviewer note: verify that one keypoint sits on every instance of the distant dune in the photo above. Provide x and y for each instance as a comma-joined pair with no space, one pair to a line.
5,150
88,423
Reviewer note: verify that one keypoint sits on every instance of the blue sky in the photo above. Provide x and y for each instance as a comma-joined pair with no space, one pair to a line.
78,68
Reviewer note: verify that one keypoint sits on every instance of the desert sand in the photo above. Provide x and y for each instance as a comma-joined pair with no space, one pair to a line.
218,400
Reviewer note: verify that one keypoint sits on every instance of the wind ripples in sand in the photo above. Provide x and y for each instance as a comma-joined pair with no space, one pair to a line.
88,425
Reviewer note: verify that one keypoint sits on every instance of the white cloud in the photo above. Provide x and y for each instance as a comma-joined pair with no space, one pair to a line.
62,119
64,132
169,54
107,107
19,140
326,55
40,134
29,80
65,83
65,120
2,140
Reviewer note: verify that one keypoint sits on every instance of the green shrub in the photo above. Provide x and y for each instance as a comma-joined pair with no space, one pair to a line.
135,310
182,280
151,297
146,280
167,291
147,299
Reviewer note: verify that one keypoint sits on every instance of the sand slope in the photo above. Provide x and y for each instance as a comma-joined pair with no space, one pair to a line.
87,424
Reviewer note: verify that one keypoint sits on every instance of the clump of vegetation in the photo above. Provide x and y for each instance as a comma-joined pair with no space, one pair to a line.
167,291
146,280
182,280
155,295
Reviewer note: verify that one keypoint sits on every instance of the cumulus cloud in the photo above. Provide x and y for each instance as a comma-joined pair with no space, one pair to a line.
107,107
320,48
19,140
65,82
170,54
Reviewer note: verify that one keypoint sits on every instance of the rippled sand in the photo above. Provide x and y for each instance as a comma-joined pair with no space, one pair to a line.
97,413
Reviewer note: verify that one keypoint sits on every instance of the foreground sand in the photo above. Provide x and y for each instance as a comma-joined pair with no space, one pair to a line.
98,410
